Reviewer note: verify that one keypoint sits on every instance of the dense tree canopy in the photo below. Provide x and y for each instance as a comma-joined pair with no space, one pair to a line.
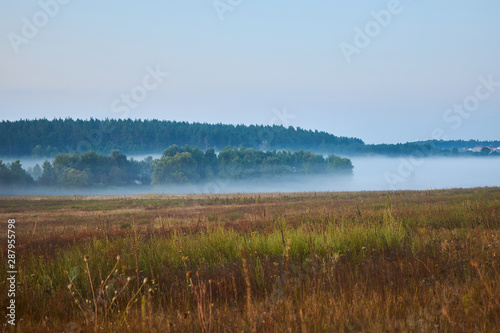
94,168
47,138
176,166
191,165
14,174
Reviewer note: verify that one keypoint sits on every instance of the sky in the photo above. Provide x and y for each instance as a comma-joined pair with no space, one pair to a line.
383,71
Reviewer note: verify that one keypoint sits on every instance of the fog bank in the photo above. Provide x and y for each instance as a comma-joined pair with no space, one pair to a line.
370,174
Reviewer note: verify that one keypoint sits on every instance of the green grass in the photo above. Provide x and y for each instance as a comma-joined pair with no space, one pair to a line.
370,261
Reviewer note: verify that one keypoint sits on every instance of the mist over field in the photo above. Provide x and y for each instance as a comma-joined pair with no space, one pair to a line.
381,173
250,166
370,174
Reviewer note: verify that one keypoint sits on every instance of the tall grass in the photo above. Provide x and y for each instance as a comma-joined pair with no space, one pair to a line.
404,261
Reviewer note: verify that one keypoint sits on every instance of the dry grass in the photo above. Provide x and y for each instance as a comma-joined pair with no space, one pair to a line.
415,261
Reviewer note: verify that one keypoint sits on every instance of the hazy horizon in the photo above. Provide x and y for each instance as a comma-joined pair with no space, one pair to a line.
385,71
369,174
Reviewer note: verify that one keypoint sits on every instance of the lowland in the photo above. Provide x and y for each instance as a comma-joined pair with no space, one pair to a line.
408,261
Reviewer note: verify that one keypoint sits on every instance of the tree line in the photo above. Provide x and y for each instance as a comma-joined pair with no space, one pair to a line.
47,138
460,144
176,166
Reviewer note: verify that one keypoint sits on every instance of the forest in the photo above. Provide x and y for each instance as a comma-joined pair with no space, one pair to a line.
47,138
42,138
450,144
176,166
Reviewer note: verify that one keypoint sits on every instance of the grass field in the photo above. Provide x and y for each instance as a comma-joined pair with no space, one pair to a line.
416,261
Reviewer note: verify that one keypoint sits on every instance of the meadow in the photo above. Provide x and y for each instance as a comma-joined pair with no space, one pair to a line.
400,261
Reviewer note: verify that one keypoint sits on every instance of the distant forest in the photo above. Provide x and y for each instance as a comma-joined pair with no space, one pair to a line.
460,144
47,138
176,166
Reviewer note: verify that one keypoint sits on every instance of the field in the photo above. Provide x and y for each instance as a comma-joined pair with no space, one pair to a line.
416,261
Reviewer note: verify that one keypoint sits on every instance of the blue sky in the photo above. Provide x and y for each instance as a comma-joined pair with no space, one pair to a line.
266,62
